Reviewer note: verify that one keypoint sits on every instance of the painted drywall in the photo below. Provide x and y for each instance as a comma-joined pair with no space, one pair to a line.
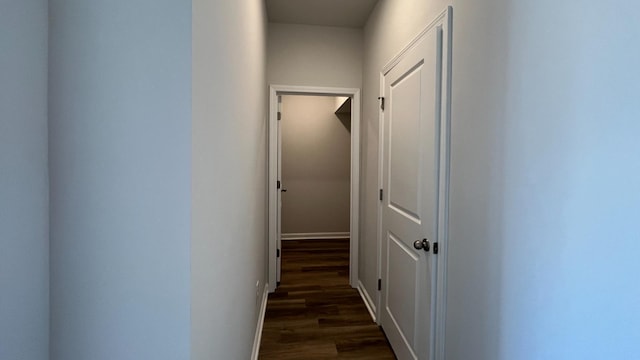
314,56
390,27
544,174
228,176
24,220
316,166
119,156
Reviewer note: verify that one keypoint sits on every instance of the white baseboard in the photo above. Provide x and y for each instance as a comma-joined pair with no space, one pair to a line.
318,235
258,337
367,301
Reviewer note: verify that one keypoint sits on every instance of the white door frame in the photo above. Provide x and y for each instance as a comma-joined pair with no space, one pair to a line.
274,92
445,21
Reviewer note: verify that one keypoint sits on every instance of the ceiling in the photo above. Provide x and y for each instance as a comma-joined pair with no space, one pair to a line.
344,13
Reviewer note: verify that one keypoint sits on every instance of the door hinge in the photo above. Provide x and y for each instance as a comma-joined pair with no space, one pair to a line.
379,284
278,253
381,98
435,248
279,115
278,184
381,194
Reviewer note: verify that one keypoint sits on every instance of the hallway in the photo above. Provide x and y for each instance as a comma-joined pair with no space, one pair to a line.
314,313
137,216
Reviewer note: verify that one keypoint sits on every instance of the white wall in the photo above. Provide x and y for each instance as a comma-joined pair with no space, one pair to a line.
545,177
119,155
390,27
545,174
314,56
24,246
316,166
228,176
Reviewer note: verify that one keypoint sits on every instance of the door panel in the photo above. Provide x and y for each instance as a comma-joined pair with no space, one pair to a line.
401,302
404,133
411,128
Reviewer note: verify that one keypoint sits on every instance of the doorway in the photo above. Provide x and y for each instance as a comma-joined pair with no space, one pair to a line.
351,103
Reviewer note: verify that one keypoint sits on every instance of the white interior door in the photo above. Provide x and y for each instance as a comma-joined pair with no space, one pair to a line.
411,152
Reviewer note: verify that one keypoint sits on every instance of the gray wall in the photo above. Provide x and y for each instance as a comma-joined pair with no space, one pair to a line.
316,166
314,56
24,246
544,174
228,240
391,25
119,155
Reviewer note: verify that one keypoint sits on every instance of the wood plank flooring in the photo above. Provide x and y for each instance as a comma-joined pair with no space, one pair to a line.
314,313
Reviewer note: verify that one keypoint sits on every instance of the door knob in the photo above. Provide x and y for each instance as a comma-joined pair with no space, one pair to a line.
422,244
283,190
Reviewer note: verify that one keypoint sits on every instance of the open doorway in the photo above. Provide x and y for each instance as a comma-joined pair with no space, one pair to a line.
313,187
315,177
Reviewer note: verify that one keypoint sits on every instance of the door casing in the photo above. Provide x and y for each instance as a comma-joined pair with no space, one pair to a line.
445,21
354,93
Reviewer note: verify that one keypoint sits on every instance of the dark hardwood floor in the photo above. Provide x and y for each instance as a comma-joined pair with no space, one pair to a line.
314,313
